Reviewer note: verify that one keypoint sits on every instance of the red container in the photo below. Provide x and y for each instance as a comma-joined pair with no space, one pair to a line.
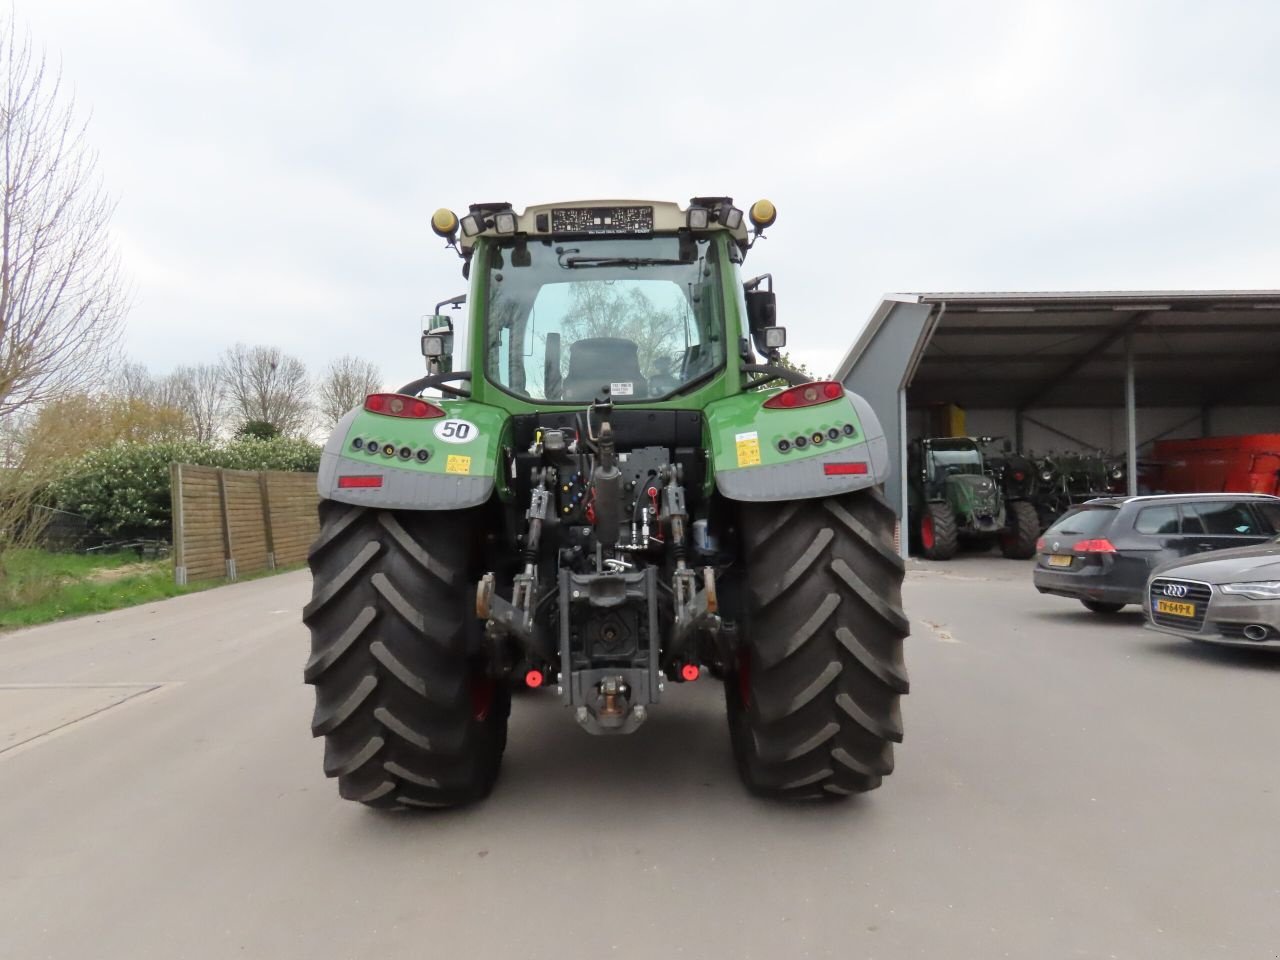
1247,464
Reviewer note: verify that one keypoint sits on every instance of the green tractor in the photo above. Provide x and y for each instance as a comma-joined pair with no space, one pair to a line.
621,491
954,498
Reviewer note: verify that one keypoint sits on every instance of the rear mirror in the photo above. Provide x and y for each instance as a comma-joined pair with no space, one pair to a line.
762,312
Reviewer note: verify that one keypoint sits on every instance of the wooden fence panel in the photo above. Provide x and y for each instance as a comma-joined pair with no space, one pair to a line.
292,500
232,522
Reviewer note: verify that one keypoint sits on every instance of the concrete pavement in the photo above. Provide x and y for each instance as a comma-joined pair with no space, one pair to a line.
1070,786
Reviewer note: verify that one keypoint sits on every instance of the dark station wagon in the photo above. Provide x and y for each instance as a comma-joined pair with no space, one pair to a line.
1102,552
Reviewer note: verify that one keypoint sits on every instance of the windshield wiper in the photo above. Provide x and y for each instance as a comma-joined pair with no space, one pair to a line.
570,263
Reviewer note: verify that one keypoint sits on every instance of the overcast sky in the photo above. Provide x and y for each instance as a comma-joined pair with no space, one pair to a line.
276,163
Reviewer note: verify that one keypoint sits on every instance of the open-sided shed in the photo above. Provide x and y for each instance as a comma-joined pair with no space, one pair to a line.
1078,371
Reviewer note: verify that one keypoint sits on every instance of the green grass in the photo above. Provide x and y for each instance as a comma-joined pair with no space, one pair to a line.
41,587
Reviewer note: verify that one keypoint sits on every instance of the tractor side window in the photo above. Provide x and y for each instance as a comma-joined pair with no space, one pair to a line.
1157,520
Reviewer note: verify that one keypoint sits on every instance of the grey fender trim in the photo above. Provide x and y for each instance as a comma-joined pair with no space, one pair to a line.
401,489
804,478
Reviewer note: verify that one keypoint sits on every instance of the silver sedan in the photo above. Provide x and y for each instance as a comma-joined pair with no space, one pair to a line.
1227,596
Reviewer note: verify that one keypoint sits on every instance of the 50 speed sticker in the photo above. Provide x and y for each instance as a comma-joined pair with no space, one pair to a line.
456,431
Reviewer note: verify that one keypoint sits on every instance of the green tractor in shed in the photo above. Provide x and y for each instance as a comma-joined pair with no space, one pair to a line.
953,498
612,497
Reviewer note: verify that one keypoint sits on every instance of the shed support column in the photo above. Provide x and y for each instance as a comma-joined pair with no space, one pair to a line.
1131,416
1206,421
1018,431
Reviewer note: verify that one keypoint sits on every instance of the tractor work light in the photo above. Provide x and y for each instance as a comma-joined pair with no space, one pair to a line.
505,222
399,405
432,345
699,218
763,214
445,223
775,338
729,216
472,225
805,395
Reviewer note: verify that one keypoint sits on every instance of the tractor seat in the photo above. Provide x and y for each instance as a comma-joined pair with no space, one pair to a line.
598,362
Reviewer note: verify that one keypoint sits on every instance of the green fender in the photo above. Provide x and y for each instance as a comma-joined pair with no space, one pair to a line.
462,451
758,453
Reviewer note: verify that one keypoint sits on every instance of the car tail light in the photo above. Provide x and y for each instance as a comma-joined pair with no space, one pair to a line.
806,395
844,469
1040,545
399,405
1101,545
359,482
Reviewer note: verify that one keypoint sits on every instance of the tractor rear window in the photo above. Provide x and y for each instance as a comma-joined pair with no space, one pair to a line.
1085,522
582,319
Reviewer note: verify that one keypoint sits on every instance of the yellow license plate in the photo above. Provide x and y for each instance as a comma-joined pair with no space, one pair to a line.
1174,608
1060,560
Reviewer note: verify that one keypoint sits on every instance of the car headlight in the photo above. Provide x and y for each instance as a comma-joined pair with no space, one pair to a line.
1257,590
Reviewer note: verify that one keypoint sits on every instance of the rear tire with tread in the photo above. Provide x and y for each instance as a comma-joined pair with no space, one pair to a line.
814,704
1024,530
408,716
939,538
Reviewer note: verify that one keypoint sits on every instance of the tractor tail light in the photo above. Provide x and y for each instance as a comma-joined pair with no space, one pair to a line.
844,469
359,483
1101,545
399,405
805,395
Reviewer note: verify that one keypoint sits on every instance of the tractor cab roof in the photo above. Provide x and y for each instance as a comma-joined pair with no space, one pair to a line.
603,218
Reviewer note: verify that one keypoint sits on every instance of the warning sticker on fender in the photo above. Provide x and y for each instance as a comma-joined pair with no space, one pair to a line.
748,445
457,464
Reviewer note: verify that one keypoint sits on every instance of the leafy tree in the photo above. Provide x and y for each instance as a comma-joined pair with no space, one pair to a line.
258,429
123,489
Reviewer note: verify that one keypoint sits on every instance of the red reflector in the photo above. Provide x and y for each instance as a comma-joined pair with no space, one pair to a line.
374,481
533,679
398,405
690,672
1101,545
844,469
806,395
1019,475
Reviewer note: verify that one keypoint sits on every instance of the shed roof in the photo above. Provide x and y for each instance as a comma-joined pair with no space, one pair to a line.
1067,349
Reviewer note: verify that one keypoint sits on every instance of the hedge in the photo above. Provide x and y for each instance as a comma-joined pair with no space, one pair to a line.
123,489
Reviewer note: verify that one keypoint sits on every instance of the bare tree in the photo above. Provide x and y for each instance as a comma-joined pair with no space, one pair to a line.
61,298
345,384
201,392
265,384
62,302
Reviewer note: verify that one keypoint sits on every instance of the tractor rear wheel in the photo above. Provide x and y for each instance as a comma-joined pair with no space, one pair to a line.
408,715
1019,541
813,704
939,538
